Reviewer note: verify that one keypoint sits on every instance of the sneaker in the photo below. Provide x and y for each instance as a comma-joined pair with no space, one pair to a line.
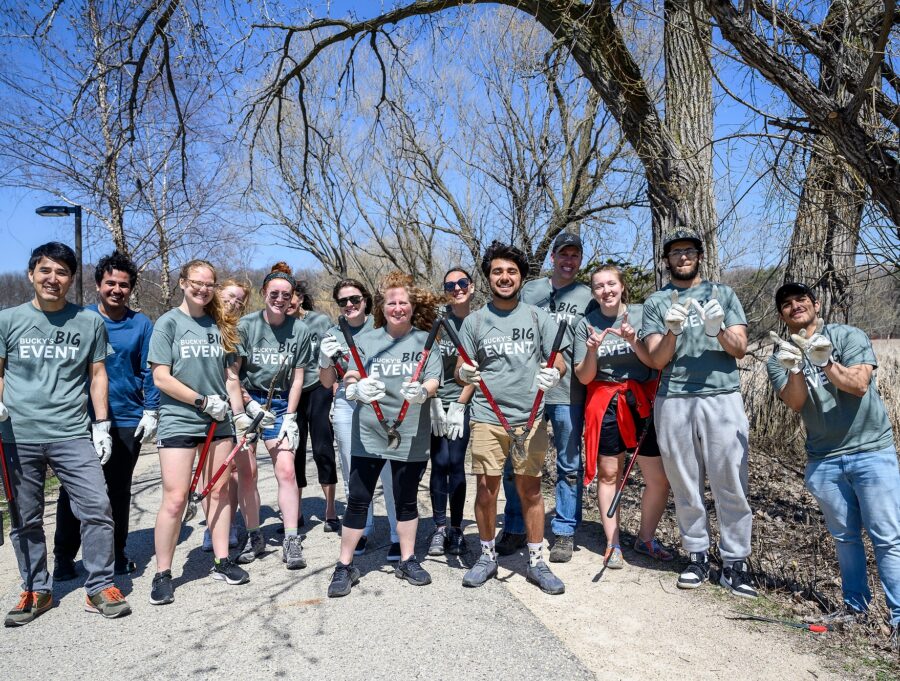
162,592
31,604
481,572
110,603
653,549
124,566
736,578
229,572
254,546
207,541
361,546
562,549
695,573
437,542
508,543
64,570
292,553
393,554
541,575
343,579
232,536
332,525
456,542
613,557
412,571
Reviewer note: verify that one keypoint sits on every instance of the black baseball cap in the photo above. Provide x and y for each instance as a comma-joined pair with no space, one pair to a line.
792,289
567,239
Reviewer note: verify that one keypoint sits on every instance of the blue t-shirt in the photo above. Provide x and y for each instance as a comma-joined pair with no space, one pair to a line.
131,388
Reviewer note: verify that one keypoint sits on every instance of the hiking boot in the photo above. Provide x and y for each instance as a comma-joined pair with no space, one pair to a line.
124,566
696,572
342,580
31,604
361,546
562,549
110,603
541,575
254,547
653,549
229,572
456,542
437,542
64,570
292,552
162,592
481,572
393,554
412,571
736,578
613,557
331,525
509,543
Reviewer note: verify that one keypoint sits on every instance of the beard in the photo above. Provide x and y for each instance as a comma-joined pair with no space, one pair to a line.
503,296
685,276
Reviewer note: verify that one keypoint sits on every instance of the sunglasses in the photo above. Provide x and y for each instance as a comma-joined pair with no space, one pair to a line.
353,300
283,295
463,283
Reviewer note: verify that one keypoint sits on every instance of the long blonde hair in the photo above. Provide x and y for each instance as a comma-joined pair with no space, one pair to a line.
215,308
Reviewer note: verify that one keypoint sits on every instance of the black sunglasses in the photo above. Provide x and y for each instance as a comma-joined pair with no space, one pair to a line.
463,283
356,300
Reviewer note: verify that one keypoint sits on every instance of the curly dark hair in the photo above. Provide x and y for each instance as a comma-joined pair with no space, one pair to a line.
116,261
501,251
425,304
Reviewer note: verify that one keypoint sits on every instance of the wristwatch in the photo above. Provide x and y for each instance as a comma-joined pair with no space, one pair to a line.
199,403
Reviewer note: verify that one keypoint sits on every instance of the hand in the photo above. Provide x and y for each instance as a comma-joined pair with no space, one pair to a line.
146,429
456,420
414,392
329,348
713,315
253,408
627,331
819,350
788,354
676,316
289,430
242,423
547,378
438,420
469,374
4,412
366,390
215,406
102,441
594,340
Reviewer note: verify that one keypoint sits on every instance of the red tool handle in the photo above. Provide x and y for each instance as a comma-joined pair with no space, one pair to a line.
554,351
10,496
203,454
429,343
247,439
351,345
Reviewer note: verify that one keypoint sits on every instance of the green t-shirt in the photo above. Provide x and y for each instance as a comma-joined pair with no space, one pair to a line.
264,348
393,362
317,324
570,302
700,365
48,362
346,361
509,348
616,359
837,422
192,347
450,390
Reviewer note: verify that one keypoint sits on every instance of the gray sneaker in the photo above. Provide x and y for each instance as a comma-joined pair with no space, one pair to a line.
292,552
482,571
548,582
253,548
562,549
437,542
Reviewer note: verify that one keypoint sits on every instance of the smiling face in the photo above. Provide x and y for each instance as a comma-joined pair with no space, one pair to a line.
397,309
607,289
505,279
114,290
566,263
199,287
233,298
352,304
683,260
799,312
51,280
278,296
459,295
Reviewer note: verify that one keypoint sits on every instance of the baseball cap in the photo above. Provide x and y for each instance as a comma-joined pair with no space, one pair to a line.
792,289
567,239
682,234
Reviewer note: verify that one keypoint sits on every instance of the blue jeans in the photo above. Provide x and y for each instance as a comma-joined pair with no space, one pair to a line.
568,424
857,491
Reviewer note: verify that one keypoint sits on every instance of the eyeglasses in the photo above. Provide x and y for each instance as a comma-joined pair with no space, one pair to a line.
283,295
353,300
463,283
687,252
200,285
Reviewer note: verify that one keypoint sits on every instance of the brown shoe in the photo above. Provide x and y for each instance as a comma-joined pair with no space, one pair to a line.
110,603
30,605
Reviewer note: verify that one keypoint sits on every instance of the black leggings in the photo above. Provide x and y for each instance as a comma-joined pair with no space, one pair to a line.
448,477
364,471
313,420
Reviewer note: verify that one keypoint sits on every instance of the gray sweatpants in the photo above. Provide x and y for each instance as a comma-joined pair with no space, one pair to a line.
78,469
707,437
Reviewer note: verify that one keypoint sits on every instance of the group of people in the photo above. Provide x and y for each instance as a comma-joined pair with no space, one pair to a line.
659,380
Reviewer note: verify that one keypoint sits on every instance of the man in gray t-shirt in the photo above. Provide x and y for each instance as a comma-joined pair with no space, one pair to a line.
695,331
827,374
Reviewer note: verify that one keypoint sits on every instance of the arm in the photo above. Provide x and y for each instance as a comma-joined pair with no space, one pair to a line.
99,390
854,380
560,364
660,349
297,389
733,340
2,376
151,393
431,385
327,377
233,387
794,392
171,386
464,398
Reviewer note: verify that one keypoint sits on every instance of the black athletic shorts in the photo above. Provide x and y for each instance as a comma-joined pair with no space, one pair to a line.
611,440
188,441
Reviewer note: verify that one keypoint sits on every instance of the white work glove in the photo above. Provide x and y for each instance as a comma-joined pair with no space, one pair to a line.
215,406
242,423
790,357
102,441
413,392
456,420
548,377
253,408
438,420
676,316
146,429
713,316
469,374
290,430
819,350
366,390
328,348
4,412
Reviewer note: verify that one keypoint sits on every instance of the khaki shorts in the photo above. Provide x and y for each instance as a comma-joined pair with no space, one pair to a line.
490,447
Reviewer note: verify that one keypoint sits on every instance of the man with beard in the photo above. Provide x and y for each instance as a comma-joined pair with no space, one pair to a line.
695,331
508,342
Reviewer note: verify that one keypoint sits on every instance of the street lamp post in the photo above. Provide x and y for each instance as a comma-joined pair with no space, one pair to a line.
58,212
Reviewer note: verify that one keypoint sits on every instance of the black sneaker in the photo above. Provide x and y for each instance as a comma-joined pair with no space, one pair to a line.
162,592
412,572
695,573
228,571
332,525
509,542
541,575
393,554
456,542
342,580
64,570
562,549
124,566
736,578
361,546
437,542
254,547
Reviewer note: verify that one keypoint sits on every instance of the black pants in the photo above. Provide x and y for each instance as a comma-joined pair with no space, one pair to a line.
313,420
118,472
448,477
364,472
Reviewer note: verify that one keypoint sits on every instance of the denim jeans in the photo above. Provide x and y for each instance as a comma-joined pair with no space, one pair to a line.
857,491
568,425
